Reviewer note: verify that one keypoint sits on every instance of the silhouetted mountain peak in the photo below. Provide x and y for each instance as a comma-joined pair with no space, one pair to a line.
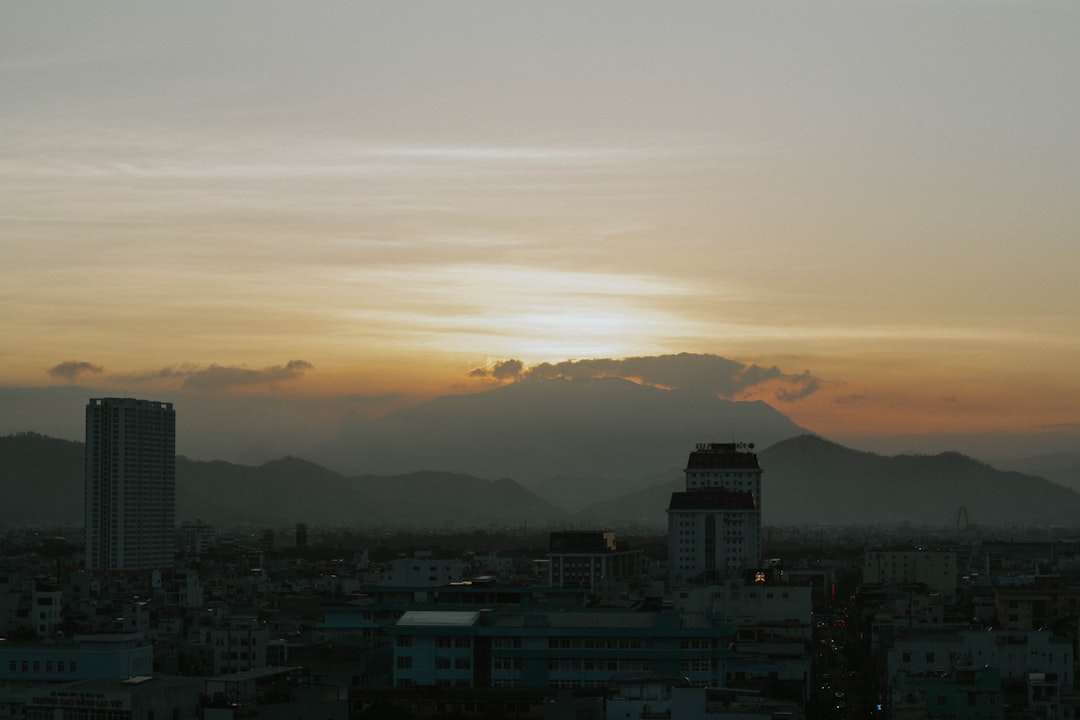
608,429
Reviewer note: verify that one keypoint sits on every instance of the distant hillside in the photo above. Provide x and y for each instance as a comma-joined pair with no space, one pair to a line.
41,481
281,490
570,442
645,508
293,490
576,493
809,480
1061,467
997,448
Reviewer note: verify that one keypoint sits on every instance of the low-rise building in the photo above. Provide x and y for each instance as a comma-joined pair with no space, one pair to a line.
85,657
962,694
1013,653
589,558
133,698
937,569
554,649
423,570
1036,601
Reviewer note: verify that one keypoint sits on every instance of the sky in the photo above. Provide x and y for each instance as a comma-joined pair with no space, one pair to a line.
385,202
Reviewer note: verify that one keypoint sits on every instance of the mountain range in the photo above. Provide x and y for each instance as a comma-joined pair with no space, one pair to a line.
807,480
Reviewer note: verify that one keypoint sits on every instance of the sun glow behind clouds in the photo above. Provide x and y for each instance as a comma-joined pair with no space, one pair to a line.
533,312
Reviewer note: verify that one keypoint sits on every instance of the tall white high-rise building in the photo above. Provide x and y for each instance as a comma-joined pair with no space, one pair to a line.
714,526
130,502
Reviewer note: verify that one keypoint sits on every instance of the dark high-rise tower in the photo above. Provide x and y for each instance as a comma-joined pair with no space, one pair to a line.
130,501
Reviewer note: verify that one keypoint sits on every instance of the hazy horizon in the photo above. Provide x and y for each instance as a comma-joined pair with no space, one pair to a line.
308,216
255,428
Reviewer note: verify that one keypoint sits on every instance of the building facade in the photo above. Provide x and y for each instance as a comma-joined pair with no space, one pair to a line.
130,484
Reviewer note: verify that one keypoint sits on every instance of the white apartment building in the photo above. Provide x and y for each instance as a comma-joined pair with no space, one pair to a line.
713,535
238,647
731,466
714,526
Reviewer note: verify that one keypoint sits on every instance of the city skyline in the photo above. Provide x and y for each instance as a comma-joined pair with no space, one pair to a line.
366,206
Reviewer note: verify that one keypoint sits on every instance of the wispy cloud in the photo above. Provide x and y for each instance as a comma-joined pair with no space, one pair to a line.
186,157
180,370
503,153
72,369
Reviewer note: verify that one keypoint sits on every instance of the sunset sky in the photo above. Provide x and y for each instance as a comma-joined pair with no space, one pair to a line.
879,199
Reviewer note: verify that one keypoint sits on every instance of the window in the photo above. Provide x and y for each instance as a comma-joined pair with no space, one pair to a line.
463,663
404,662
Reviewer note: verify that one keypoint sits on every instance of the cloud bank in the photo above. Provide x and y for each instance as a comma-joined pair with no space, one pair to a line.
720,376
216,377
